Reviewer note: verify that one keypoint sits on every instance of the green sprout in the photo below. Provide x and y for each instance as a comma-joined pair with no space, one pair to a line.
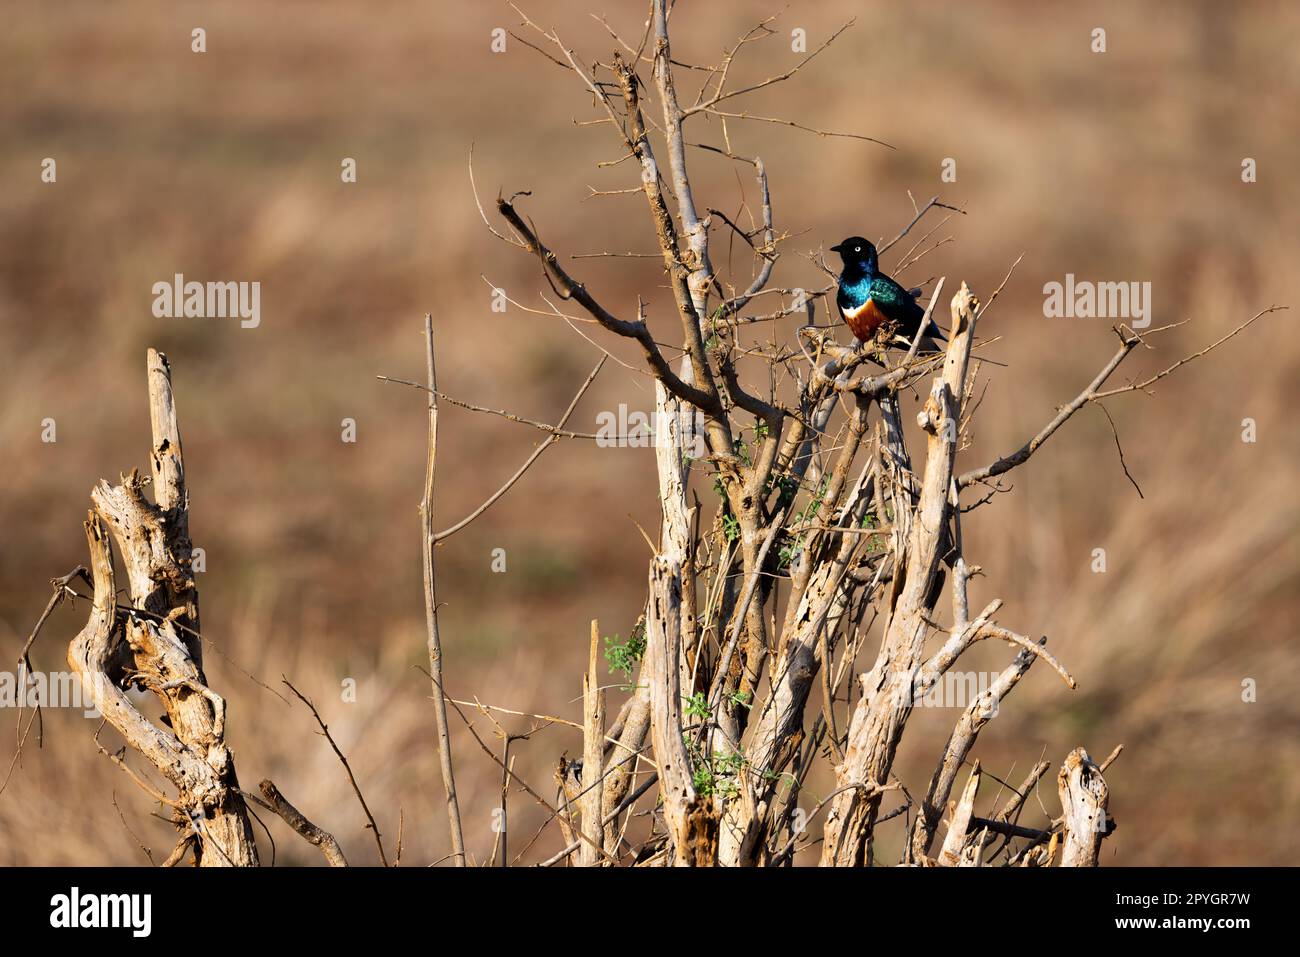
625,655
740,699
697,706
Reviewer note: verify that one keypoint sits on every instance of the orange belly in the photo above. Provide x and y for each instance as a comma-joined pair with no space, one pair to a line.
865,320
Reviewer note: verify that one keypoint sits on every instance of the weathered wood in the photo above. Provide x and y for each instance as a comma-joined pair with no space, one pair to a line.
955,840
623,756
1084,796
154,643
593,755
881,714
973,719
684,815
314,835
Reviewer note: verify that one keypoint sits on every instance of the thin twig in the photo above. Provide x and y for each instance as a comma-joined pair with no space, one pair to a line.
356,788
528,463
427,542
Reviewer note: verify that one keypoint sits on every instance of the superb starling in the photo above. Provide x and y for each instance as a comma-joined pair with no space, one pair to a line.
868,300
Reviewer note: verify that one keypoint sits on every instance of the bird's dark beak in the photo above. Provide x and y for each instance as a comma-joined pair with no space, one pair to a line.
837,248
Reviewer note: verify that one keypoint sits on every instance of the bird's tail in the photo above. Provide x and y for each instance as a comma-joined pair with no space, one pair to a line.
928,344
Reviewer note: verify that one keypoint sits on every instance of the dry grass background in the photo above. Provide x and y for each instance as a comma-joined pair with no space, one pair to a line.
225,166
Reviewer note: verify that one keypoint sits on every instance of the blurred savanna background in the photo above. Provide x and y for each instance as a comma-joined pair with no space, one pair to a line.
1116,166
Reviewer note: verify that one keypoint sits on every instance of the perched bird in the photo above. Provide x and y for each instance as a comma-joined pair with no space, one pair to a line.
868,299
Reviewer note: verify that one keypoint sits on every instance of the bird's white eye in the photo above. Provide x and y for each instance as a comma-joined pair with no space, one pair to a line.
857,249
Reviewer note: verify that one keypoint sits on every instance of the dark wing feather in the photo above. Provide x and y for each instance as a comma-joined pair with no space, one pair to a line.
896,302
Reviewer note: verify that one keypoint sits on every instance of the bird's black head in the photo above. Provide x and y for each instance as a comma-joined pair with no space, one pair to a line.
856,251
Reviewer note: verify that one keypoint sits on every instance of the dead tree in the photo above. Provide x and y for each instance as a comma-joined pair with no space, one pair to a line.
829,539
153,642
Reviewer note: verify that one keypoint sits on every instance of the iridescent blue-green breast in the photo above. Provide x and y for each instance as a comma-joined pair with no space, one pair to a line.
868,302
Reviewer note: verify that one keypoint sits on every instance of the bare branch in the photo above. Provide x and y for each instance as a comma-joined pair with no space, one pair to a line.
273,800
720,96
570,289
1129,341
528,463
434,640
356,788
